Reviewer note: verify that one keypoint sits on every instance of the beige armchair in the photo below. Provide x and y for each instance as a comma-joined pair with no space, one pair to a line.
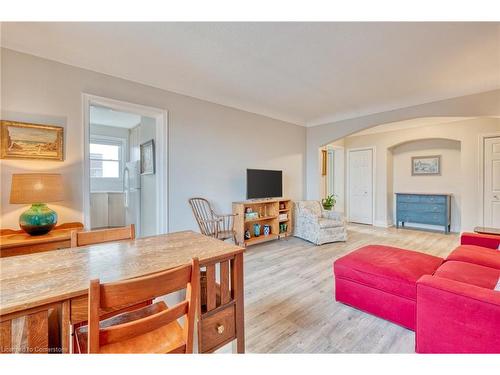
319,226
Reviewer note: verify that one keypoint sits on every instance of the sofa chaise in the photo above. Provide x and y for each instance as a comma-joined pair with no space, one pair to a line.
452,304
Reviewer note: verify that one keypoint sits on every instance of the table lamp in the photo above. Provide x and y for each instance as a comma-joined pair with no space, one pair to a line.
36,189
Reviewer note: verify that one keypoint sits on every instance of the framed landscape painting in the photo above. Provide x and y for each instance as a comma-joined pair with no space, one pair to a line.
426,165
21,140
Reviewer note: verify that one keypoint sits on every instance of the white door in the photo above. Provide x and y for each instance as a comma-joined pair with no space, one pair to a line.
361,186
492,182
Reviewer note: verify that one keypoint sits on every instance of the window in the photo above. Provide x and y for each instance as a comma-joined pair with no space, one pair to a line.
106,157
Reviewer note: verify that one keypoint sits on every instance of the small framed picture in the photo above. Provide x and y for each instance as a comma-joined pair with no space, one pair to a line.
426,165
148,157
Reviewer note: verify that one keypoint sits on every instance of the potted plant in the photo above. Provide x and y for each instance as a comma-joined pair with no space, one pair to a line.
329,202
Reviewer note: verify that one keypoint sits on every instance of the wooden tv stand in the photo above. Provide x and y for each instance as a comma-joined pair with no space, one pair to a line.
269,211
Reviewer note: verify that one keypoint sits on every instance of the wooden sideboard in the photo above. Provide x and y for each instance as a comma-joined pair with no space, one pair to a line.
268,211
18,242
424,208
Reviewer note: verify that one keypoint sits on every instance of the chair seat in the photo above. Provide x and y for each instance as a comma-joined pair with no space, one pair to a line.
166,339
330,223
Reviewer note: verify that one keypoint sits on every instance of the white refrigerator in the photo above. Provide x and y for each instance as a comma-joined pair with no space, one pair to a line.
132,195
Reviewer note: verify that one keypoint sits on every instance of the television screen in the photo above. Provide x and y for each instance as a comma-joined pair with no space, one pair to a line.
264,183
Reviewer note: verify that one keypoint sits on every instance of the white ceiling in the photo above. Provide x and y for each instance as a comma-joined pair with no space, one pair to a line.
305,73
110,117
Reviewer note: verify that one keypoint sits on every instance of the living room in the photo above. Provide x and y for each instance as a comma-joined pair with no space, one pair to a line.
298,217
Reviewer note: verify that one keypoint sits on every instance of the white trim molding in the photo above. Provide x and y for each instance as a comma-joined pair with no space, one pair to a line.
161,118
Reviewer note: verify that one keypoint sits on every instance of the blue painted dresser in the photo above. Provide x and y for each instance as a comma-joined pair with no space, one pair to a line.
420,208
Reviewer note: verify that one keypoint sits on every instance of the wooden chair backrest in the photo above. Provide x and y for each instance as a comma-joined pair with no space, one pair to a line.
204,215
138,290
103,235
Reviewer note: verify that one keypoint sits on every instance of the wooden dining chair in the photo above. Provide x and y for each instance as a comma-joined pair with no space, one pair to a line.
210,223
151,329
93,237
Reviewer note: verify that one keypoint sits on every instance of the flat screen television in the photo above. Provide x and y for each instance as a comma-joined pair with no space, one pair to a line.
263,183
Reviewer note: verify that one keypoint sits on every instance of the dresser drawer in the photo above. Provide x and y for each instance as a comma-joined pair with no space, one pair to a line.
217,329
422,207
417,198
407,198
422,218
432,199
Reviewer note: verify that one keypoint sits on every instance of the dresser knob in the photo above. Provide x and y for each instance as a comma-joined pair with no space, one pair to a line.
220,329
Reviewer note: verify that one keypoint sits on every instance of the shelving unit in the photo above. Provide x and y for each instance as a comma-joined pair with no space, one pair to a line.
269,211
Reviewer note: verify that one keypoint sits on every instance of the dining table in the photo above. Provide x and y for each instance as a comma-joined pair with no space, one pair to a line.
44,295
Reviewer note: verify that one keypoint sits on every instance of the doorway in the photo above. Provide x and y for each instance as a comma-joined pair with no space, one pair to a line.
125,166
360,185
491,195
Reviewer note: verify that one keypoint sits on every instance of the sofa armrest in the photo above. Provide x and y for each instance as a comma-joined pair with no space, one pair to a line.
484,240
455,317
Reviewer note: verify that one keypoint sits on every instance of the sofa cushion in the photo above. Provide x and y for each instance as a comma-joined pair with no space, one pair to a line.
482,256
386,268
469,273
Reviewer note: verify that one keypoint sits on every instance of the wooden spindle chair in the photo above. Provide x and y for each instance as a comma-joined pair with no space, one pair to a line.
210,223
98,236
151,329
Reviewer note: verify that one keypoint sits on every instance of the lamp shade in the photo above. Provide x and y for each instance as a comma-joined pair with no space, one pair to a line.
31,188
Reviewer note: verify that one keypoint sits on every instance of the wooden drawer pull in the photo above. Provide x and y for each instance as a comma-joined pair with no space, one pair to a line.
220,329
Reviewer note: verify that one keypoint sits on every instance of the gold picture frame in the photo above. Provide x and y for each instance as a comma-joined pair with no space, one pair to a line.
323,162
22,140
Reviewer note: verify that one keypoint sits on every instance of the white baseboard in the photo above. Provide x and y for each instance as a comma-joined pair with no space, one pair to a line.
383,223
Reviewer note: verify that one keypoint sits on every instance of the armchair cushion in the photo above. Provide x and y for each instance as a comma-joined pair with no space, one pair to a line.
330,223
482,256
334,215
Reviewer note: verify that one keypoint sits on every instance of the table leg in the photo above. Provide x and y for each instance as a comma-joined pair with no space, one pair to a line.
6,336
240,306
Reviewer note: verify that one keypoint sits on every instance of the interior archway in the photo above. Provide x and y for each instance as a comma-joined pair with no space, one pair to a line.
455,138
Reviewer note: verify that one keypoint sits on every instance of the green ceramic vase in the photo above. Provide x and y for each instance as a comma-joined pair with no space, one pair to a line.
38,220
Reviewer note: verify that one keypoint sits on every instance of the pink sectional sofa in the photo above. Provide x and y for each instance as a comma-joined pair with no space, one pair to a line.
381,280
451,304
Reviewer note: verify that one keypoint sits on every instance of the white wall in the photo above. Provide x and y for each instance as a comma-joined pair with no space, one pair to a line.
210,145
389,167
476,105
448,182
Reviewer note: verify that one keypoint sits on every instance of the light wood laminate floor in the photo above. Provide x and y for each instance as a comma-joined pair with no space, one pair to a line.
289,303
